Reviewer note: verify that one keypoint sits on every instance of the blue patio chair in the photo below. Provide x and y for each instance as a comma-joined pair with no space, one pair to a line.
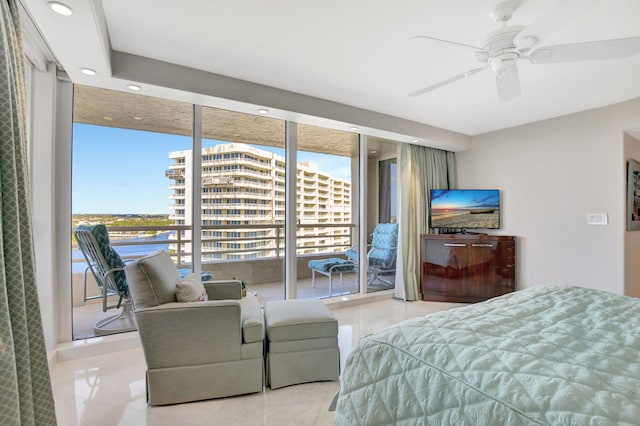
107,267
381,255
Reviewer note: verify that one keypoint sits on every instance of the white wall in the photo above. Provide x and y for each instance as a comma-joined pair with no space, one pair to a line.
552,174
631,238
50,181
41,130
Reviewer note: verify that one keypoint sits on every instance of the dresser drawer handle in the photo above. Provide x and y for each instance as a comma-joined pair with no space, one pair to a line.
481,245
454,245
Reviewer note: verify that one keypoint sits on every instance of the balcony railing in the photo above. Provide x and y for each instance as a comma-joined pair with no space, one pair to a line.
140,241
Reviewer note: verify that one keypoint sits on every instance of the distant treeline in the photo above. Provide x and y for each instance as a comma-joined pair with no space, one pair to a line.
122,219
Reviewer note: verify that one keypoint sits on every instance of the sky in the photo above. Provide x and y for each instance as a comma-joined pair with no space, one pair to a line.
118,171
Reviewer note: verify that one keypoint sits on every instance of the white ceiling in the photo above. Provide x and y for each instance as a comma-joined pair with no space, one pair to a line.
355,52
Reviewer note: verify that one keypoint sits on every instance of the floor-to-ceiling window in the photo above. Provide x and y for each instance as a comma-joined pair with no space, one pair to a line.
155,171
124,176
382,208
387,191
243,199
327,211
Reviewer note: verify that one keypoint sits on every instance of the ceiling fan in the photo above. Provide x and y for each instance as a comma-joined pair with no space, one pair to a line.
503,48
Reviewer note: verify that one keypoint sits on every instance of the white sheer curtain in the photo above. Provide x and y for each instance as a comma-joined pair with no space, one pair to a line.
420,169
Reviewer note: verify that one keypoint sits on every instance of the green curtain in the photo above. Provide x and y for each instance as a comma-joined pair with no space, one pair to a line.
25,387
421,169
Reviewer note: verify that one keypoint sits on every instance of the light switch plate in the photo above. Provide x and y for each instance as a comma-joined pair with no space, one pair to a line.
597,219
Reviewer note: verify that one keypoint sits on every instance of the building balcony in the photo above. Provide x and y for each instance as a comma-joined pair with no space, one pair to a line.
217,180
175,173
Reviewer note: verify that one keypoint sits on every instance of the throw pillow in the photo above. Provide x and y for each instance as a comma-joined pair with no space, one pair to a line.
191,289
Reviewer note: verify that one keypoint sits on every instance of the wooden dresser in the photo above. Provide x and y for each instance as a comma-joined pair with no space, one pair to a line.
466,267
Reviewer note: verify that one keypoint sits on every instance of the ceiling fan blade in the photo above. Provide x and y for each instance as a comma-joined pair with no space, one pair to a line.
508,84
447,81
588,51
562,12
446,41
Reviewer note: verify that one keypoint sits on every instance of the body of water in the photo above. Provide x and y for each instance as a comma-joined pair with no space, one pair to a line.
154,243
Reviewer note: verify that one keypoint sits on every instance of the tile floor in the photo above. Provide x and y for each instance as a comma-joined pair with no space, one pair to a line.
110,389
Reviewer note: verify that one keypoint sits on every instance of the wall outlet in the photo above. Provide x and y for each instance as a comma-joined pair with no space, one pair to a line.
597,219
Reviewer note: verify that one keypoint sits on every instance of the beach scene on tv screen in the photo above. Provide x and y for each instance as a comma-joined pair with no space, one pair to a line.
465,209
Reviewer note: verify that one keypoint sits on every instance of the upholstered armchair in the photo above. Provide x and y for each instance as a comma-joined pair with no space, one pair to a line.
197,349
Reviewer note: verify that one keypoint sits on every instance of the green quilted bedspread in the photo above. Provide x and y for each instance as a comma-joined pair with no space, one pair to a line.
542,356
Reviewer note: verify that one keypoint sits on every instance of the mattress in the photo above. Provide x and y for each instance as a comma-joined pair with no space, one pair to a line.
552,355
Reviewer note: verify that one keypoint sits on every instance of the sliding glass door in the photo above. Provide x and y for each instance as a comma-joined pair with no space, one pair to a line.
382,209
327,211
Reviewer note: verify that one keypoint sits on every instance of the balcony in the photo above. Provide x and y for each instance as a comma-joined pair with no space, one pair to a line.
263,270
174,173
217,180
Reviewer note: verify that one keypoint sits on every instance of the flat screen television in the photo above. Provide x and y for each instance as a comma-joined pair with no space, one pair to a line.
465,208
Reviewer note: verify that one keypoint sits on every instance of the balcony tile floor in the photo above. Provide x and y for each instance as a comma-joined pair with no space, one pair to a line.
110,389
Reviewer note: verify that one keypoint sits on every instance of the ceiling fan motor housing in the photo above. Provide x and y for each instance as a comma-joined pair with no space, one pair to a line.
501,48
502,38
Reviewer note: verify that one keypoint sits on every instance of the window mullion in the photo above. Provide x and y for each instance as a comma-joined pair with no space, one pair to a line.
196,188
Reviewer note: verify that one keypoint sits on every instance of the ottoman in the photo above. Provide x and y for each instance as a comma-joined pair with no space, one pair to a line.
302,342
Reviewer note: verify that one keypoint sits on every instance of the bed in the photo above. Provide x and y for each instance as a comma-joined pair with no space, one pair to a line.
544,355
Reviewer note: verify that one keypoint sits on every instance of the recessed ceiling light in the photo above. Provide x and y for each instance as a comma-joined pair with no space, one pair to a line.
353,128
263,111
133,87
373,151
415,141
87,71
60,8
108,118
137,118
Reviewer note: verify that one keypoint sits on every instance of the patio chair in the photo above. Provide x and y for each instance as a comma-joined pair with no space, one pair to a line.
107,267
381,255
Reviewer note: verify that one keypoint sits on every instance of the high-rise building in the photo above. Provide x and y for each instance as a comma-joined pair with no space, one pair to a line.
243,203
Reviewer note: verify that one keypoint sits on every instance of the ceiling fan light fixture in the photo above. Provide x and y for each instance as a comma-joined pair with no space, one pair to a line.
504,62
87,71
